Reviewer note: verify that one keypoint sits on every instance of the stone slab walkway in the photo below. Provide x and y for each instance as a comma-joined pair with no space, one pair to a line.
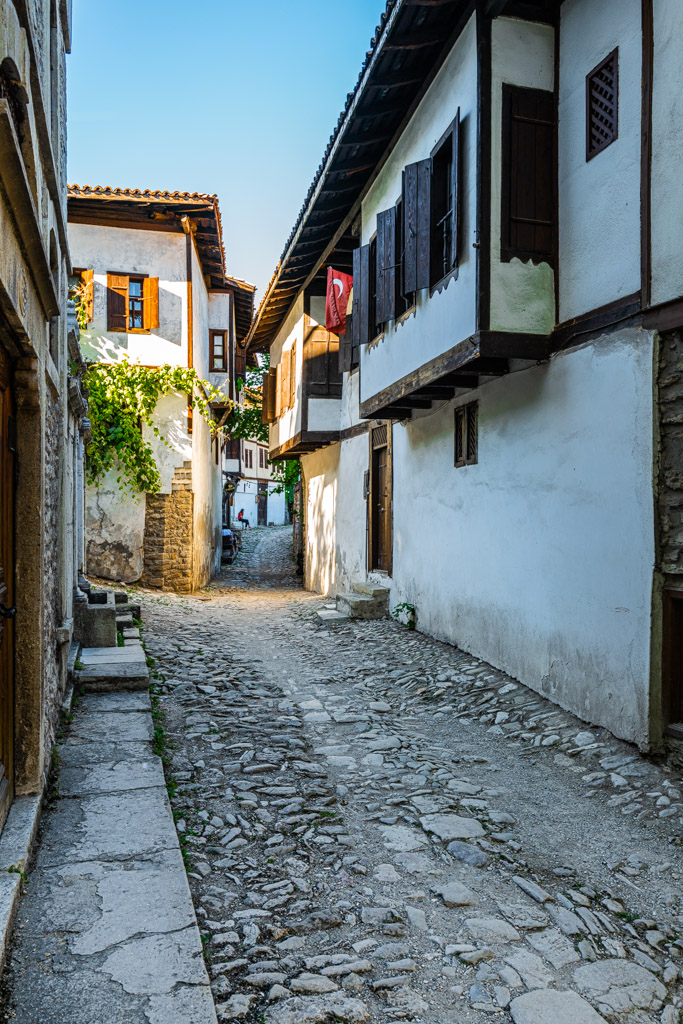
106,931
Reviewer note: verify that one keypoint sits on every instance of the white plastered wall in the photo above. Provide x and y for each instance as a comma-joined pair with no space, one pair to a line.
667,145
288,424
599,221
335,537
449,315
522,293
206,474
129,251
539,558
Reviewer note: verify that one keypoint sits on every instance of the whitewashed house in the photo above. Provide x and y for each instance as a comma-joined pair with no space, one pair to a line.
253,488
497,439
158,293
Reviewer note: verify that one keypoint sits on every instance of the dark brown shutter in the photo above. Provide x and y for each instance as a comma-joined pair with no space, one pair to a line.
240,363
117,302
321,354
455,185
265,403
272,394
527,208
386,265
417,216
364,311
355,309
150,303
346,346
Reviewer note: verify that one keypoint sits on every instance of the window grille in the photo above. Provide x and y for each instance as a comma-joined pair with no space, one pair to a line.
466,434
379,436
602,107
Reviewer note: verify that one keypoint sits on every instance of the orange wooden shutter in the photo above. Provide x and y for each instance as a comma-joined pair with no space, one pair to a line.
278,390
293,377
150,305
88,289
117,303
286,377
272,394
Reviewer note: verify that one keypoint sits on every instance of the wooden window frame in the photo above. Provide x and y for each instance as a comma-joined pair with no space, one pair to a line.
508,250
374,329
466,435
446,150
150,302
213,334
248,458
592,151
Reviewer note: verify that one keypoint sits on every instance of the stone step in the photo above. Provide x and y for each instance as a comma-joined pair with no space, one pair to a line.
372,590
108,669
361,606
330,617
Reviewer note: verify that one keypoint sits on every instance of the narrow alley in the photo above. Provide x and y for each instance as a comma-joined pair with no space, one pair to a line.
377,826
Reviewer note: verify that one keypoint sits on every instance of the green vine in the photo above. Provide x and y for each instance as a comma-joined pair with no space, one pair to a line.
123,397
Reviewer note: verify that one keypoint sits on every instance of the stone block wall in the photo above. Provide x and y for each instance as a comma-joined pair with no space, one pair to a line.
168,541
670,484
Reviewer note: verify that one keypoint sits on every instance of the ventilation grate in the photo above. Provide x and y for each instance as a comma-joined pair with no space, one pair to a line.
602,87
379,436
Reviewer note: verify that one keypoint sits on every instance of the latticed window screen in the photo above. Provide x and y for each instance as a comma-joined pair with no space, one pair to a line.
379,436
602,105
466,429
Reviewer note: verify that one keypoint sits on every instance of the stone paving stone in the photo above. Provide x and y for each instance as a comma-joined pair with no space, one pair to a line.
548,1007
309,765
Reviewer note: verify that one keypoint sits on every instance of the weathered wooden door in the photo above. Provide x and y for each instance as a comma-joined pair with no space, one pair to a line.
7,449
262,504
381,484
673,662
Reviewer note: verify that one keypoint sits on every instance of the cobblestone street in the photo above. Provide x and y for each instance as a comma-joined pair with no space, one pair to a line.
379,827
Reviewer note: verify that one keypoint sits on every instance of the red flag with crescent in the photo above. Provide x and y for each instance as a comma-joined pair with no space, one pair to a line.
339,287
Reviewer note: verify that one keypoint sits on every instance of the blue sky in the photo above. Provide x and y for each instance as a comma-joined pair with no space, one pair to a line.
225,96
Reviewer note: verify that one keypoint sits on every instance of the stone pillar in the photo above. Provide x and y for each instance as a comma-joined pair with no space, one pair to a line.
168,541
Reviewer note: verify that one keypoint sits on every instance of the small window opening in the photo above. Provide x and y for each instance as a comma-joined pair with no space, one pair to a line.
466,434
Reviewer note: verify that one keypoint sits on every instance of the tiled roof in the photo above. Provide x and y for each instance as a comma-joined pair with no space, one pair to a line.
106,191
194,204
409,45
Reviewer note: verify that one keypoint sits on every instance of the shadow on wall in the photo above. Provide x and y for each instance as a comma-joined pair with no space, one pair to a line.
321,532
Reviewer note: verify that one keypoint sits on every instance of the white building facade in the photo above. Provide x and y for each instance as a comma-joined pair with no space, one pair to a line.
158,295
495,438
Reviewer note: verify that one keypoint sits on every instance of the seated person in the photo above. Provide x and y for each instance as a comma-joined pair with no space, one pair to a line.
242,518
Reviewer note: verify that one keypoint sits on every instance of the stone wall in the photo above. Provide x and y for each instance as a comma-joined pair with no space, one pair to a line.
168,541
670,555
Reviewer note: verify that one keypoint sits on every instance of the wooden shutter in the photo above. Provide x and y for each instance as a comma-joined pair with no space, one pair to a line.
346,346
527,207
321,354
386,266
364,300
416,221
278,391
265,401
150,305
355,308
117,302
455,185
286,378
292,376
272,394
240,363
88,295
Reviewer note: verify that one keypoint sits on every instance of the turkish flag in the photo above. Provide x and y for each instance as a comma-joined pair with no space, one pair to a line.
339,287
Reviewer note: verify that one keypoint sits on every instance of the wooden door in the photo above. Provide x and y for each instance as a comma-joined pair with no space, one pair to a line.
380,498
7,450
262,504
673,662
